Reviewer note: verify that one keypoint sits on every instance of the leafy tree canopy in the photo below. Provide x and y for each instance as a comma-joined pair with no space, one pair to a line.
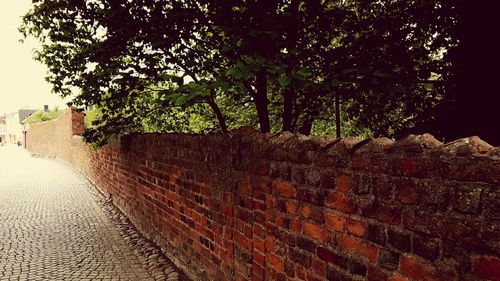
41,116
282,65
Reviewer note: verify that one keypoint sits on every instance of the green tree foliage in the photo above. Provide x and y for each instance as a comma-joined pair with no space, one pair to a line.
165,64
41,116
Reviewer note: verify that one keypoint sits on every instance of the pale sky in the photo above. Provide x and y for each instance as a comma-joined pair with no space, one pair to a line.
22,79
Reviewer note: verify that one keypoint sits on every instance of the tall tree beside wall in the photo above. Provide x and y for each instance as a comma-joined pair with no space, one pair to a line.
383,61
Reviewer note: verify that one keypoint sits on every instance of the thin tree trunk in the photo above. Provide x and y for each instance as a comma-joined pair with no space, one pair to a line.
337,114
289,92
218,114
288,97
261,101
307,126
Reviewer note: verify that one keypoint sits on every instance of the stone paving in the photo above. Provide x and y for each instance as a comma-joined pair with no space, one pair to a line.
55,226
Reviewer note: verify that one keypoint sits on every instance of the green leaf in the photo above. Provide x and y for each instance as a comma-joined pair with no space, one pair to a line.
284,81
335,82
220,84
181,100
166,76
380,73
349,71
303,72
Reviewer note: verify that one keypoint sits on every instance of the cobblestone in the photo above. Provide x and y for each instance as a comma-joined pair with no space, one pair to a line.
55,226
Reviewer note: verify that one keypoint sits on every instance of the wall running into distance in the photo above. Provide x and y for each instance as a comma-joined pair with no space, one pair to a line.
249,206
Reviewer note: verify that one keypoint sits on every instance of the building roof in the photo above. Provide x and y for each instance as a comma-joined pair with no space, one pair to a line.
25,113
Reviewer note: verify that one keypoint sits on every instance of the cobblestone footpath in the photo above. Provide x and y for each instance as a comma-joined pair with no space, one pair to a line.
55,226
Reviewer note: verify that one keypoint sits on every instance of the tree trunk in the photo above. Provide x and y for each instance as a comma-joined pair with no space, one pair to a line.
261,101
337,114
289,92
307,126
218,114
288,98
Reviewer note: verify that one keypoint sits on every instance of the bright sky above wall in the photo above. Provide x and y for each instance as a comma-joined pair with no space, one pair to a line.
22,79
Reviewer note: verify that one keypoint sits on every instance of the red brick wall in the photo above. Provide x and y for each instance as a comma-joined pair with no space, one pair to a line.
248,206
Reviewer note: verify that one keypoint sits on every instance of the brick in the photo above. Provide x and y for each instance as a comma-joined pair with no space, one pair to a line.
306,211
383,188
459,254
340,202
426,248
397,277
258,258
283,222
270,244
327,181
289,270
296,226
306,244
318,267
399,240
377,274
259,244
248,232
414,269
406,191
357,268
333,274
258,272
356,227
334,222
291,207
300,272
242,241
261,184
298,175
244,188
376,234
226,209
362,184
312,177
343,183
258,205
259,168
388,259
259,217
384,212
435,197
312,277
316,232
330,257
487,267
281,205
284,189
491,203
423,221
298,257
407,167
313,213
243,268
467,200
290,239
355,246
275,261
312,196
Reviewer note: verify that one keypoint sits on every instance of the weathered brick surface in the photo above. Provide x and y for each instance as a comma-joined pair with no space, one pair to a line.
248,206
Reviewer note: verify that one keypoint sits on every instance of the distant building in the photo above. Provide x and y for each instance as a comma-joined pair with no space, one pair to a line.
3,129
13,127
25,113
